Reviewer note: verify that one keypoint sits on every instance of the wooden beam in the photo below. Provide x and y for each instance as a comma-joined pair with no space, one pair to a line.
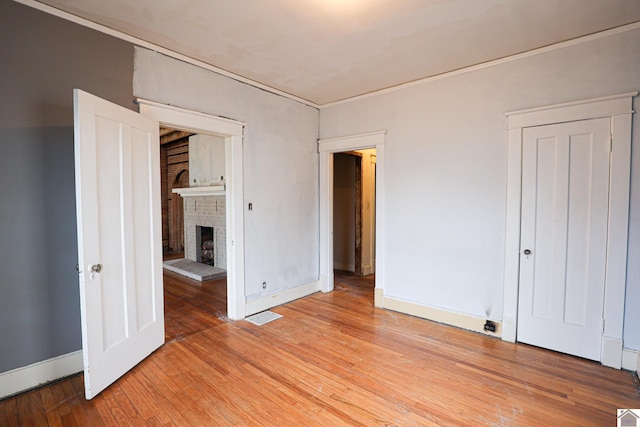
168,136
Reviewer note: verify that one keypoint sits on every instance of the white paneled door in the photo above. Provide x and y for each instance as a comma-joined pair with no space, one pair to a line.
565,198
119,238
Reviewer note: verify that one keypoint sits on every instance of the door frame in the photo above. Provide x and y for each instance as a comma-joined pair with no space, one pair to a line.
232,131
326,149
619,108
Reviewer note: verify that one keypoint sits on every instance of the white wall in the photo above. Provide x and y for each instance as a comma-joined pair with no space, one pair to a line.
206,160
445,169
280,165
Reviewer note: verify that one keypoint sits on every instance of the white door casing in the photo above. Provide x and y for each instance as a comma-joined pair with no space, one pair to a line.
232,131
565,196
619,109
117,176
326,148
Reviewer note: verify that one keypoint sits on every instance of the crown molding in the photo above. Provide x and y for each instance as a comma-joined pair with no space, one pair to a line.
160,49
488,64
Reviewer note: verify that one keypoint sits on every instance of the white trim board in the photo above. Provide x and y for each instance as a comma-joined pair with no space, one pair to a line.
631,360
440,315
619,109
232,131
269,301
326,148
345,266
39,373
605,106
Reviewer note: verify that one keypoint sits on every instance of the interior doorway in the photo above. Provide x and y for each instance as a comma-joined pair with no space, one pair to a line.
230,132
193,199
327,149
354,184
192,175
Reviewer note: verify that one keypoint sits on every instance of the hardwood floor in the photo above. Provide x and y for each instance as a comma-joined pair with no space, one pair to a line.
332,360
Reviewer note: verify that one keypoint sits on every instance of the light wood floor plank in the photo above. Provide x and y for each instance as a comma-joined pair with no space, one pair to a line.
331,360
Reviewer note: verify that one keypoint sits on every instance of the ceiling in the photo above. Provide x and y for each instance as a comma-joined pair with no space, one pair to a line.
328,50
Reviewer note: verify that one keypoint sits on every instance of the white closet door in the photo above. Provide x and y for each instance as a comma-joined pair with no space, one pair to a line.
565,197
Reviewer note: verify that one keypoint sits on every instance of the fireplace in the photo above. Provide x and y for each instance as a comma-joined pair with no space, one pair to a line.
205,245
205,236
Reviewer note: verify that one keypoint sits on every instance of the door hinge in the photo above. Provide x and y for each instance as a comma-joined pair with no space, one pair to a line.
610,143
603,325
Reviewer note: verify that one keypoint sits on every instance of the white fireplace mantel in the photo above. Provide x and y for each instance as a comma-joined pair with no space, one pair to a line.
213,190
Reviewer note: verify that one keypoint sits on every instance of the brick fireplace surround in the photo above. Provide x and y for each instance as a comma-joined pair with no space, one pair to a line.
205,211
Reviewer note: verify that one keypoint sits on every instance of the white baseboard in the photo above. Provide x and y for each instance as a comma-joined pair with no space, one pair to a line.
460,320
509,328
378,297
27,377
631,360
265,303
611,354
367,270
343,266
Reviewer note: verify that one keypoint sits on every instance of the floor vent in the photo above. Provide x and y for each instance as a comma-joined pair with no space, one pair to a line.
263,317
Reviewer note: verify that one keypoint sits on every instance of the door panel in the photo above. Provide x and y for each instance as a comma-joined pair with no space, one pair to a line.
118,207
565,196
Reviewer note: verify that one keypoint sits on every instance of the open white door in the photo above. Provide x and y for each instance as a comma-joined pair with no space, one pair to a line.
119,238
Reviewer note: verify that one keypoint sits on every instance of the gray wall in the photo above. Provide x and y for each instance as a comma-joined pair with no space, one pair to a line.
43,59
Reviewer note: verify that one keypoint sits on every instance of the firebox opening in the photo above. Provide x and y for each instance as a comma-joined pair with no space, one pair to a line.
205,245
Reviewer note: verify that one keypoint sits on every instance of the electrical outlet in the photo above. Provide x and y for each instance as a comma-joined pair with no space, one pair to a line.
490,326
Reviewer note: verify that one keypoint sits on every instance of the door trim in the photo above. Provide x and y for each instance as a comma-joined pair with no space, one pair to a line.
619,108
326,148
232,131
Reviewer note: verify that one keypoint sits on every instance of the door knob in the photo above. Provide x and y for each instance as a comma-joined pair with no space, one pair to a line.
96,268
527,252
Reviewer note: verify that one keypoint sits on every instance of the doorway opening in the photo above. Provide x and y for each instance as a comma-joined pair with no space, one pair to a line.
371,145
212,191
354,204
192,175
194,163
354,184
